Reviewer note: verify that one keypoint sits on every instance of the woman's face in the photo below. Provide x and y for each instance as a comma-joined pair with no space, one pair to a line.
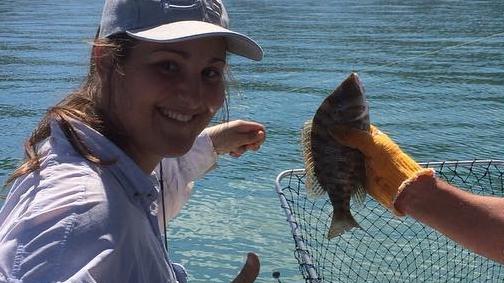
165,95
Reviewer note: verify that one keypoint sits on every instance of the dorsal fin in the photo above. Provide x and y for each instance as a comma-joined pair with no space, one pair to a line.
313,188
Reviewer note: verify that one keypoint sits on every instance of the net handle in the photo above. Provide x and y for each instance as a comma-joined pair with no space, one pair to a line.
296,234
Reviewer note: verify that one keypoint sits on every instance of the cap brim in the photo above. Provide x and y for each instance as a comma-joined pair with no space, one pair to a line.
237,43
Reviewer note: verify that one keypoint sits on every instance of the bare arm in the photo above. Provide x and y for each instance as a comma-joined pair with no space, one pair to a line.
474,221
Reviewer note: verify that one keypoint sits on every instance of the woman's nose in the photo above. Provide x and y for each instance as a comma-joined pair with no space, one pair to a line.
189,91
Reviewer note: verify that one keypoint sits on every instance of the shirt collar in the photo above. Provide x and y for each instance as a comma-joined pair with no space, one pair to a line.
137,184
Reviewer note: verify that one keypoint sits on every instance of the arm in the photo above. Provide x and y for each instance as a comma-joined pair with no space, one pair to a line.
474,221
178,175
72,226
396,181
235,138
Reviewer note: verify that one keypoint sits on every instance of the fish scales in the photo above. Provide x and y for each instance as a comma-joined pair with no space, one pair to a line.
331,167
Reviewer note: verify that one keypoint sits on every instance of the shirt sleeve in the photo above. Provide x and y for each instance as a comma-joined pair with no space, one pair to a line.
38,232
69,228
179,174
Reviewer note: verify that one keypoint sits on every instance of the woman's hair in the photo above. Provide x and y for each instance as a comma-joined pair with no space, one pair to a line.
84,104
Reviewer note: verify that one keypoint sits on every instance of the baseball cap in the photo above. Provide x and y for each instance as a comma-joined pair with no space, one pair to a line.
168,21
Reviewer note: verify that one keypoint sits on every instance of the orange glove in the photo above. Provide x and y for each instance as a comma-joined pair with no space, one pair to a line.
388,168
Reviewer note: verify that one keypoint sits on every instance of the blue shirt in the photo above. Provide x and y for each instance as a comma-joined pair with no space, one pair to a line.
74,221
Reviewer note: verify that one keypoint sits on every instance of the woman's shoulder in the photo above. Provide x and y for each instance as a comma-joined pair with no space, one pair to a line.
47,190
57,214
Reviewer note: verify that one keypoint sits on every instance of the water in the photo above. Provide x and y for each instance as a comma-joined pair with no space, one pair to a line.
448,105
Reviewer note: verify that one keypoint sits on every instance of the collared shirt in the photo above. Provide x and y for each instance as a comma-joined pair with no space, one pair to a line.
74,221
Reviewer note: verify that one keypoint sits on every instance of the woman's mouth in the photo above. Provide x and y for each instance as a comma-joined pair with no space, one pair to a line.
175,115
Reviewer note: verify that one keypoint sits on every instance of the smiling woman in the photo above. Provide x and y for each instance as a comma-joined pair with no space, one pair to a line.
167,93
110,164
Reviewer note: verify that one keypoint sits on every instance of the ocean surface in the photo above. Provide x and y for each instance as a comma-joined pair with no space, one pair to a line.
433,72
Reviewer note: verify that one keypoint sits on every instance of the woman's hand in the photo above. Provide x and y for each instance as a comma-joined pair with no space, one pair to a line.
236,137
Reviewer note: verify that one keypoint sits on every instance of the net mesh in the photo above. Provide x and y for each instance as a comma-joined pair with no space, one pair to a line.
387,248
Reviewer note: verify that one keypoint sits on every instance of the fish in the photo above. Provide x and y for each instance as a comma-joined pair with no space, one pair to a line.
331,167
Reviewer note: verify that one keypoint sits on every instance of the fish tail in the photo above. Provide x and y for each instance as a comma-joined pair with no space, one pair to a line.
340,223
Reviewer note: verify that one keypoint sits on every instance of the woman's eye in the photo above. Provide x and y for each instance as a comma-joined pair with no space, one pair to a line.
168,67
212,73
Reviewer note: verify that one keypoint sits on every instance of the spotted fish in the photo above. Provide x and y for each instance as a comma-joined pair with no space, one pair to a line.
331,167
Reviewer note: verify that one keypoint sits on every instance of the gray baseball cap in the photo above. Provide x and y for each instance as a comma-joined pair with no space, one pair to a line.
174,20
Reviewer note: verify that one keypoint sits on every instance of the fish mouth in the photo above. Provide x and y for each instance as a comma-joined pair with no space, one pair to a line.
355,78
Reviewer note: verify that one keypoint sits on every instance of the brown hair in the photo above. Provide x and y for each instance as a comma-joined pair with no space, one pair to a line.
84,104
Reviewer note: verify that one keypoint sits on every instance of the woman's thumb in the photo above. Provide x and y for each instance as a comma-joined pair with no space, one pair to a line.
250,270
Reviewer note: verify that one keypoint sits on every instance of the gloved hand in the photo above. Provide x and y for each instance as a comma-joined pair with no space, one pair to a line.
388,169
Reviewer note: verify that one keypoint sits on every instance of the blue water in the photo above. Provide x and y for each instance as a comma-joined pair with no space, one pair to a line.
433,72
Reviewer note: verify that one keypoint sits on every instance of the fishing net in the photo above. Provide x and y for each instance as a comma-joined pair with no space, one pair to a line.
387,248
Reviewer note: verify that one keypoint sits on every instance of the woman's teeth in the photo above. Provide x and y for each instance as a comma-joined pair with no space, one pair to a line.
175,116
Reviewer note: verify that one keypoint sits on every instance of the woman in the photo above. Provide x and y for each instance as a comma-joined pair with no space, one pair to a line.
111,163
